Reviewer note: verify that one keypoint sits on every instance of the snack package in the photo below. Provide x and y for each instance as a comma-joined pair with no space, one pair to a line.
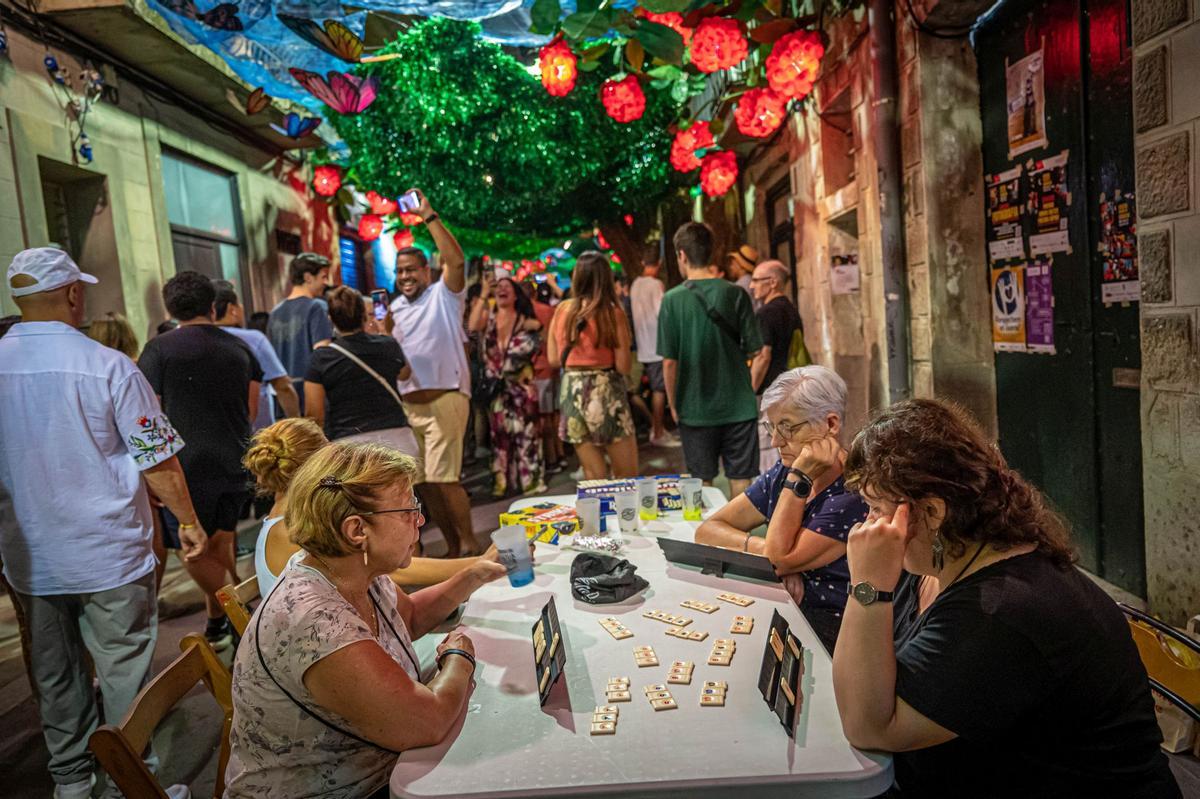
669,498
544,522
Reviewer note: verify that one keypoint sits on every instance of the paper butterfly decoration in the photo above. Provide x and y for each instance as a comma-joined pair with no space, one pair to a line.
345,94
222,17
334,38
255,102
296,126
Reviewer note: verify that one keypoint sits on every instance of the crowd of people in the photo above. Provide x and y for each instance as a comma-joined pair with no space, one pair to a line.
963,639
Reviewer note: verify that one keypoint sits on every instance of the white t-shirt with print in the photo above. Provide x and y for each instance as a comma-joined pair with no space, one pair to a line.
430,331
78,424
645,298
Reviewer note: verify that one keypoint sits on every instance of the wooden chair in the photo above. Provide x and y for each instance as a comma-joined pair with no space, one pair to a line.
1172,659
119,749
236,599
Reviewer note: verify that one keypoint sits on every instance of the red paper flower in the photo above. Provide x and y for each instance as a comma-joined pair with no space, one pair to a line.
601,242
327,179
559,68
381,205
370,226
718,173
402,238
623,99
687,142
412,220
760,112
793,63
672,19
718,43
628,220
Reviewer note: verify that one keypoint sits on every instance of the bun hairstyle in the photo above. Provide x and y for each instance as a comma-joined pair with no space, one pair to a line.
278,451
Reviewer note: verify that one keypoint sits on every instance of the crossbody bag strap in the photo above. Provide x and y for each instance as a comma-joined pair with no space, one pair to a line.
363,365
566,353
714,315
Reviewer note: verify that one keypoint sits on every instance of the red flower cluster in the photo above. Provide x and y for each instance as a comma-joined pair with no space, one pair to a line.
672,19
718,43
559,68
793,63
370,226
327,179
718,173
760,112
381,205
402,238
623,99
412,220
687,142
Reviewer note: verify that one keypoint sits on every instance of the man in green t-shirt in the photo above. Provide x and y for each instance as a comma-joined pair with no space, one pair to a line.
706,334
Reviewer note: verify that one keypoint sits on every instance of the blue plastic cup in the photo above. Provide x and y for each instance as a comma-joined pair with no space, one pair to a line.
512,546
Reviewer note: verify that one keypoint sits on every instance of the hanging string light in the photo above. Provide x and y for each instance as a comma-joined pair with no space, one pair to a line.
760,112
559,68
718,173
687,142
623,99
718,43
794,62
327,179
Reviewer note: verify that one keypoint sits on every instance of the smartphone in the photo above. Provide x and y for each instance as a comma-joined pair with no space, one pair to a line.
409,202
540,278
379,301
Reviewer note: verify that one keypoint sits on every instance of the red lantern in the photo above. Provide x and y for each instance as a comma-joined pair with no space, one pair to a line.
327,179
370,226
559,68
623,99
793,63
760,112
412,220
687,142
628,220
381,205
601,242
718,173
718,43
672,19
402,238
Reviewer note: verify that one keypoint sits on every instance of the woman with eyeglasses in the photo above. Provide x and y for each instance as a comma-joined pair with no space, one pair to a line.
803,499
326,685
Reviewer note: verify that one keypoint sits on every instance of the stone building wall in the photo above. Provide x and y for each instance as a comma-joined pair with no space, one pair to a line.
1166,37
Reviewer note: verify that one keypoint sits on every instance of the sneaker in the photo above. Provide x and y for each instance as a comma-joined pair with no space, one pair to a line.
76,790
219,633
665,440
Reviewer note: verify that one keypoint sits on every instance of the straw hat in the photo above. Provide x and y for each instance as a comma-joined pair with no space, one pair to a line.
746,257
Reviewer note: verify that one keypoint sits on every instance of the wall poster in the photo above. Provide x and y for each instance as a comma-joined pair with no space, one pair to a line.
1047,201
1008,309
1118,248
844,278
1004,233
1039,306
1026,104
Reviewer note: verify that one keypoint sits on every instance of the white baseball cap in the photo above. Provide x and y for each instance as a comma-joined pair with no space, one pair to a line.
50,267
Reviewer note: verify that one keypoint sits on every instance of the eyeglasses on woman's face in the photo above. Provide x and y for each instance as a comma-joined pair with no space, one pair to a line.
785,430
416,508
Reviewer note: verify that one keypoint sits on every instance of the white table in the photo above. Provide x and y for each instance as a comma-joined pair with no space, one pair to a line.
507,745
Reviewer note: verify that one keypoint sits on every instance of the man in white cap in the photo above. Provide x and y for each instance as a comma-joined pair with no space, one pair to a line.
81,436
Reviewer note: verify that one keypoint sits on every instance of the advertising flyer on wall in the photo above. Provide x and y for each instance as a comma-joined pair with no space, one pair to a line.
1039,306
1026,104
1048,199
844,278
1118,248
1005,236
1008,309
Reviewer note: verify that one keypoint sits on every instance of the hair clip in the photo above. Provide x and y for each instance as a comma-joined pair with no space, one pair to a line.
329,482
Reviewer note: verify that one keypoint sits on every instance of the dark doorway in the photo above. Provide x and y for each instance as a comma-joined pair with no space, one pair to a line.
1069,419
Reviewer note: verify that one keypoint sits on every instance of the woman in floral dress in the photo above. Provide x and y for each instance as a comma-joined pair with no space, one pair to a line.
510,342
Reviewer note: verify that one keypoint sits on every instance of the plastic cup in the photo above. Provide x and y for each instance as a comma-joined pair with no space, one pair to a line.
647,491
588,510
689,490
627,511
512,547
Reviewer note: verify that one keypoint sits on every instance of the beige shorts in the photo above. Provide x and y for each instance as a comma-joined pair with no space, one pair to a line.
439,427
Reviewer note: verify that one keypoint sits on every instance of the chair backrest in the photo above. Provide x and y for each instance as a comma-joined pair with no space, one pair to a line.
1171,658
236,599
118,748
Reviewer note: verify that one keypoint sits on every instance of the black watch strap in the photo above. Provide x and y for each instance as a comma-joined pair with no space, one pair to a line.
801,485
429,220
447,652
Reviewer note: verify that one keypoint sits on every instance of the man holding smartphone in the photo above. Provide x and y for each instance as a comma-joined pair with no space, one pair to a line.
426,318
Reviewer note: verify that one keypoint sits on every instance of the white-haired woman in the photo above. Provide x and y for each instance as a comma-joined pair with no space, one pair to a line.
803,498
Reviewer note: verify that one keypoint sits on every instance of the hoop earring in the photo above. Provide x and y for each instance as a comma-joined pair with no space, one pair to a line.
939,552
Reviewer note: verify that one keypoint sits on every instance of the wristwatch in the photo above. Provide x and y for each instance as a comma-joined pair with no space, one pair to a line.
801,485
867,594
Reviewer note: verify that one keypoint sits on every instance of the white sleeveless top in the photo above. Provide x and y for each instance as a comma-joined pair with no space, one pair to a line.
266,580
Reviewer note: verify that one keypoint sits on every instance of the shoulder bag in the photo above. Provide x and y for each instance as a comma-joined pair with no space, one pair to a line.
363,365
720,321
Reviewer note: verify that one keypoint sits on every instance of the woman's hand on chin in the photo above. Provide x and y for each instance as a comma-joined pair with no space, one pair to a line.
817,457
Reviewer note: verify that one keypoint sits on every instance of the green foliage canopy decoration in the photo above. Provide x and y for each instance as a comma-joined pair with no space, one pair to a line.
467,123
